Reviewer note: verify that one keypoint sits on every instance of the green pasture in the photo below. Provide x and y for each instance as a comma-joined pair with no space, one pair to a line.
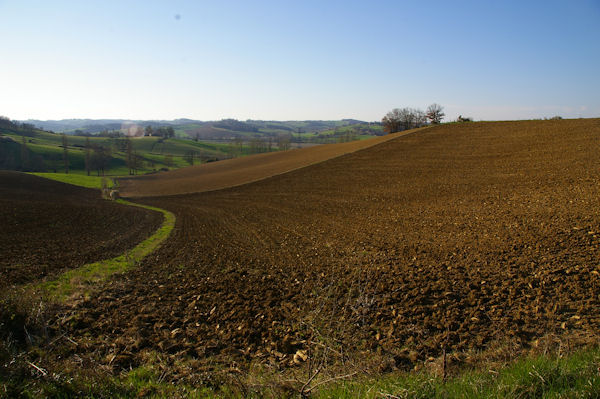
78,179
154,153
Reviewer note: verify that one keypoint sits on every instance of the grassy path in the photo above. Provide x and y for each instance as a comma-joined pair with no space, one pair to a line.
81,280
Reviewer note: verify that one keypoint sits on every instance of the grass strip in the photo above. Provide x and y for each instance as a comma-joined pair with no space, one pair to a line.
78,179
83,278
543,376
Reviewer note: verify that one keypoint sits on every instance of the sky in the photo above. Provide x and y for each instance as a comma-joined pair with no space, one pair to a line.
298,60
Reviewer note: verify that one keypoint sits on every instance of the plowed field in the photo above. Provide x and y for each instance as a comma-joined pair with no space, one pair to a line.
455,237
48,227
237,171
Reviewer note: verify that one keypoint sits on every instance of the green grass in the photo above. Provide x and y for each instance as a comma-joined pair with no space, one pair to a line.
85,277
78,179
152,150
542,376
573,376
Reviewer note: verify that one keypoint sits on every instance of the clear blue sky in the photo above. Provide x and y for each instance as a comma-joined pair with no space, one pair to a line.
296,59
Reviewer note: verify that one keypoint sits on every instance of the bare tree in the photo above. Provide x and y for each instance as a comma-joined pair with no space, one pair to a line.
257,145
391,121
5,122
235,147
170,132
169,160
284,142
138,162
87,155
435,113
420,118
189,156
400,119
407,118
65,146
130,157
101,159
24,153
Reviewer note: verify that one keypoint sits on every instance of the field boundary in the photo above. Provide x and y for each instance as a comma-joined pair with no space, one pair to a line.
226,174
82,279
401,134
78,179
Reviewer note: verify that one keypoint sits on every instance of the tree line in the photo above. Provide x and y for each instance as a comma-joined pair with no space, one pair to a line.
400,119
14,126
258,145
138,131
164,132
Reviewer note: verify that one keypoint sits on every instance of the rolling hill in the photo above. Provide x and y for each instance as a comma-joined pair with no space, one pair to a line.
226,129
26,148
455,242
451,238
44,152
233,172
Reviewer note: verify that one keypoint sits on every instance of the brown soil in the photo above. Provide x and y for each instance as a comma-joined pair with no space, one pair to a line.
454,237
48,227
238,171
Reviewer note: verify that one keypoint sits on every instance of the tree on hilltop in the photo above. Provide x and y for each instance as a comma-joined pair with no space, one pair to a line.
435,113
170,132
391,121
400,119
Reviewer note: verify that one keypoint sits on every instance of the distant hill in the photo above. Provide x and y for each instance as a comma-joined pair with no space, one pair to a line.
69,126
102,144
36,146
28,149
310,131
238,171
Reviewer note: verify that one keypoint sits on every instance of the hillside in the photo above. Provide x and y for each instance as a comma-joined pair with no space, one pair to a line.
49,227
299,131
460,238
26,148
234,172
44,152
463,244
